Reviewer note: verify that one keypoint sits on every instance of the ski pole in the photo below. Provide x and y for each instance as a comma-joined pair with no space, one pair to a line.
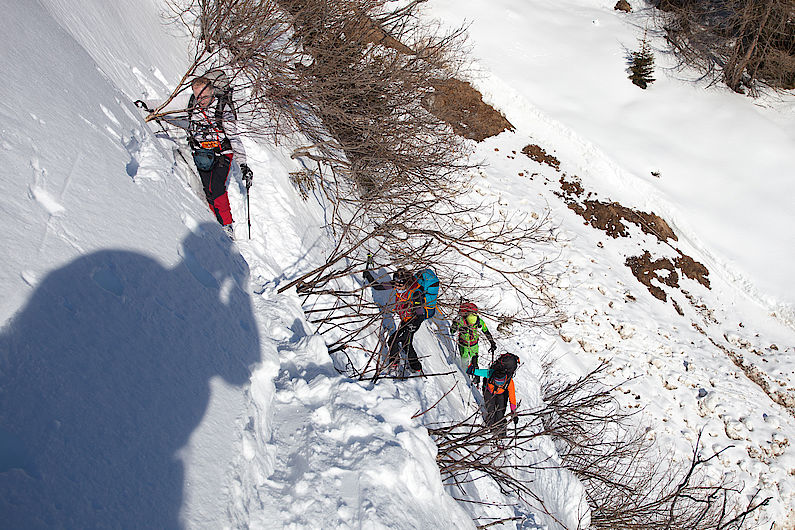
142,105
248,206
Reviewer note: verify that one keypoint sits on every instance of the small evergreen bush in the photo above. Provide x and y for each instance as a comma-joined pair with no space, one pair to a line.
642,64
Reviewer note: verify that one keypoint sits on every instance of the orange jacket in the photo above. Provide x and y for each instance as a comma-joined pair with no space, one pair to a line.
511,392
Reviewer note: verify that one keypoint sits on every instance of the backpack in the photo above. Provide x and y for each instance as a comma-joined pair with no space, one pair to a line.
429,283
222,90
502,370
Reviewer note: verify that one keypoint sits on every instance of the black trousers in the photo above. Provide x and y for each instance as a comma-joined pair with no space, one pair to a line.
495,405
214,184
404,338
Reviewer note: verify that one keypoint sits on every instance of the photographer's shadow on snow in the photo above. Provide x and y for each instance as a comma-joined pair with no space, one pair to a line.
104,375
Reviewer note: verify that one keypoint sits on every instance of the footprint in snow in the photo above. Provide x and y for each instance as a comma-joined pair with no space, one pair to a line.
39,193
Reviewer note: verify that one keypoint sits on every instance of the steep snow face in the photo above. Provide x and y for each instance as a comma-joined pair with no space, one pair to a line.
725,160
138,46
150,374
126,313
714,360
79,169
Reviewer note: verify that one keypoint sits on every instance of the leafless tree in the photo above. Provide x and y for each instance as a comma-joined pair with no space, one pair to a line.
473,259
741,42
629,484
353,78
649,491
469,451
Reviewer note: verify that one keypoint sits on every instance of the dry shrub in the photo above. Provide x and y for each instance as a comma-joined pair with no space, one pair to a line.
629,484
741,42
354,78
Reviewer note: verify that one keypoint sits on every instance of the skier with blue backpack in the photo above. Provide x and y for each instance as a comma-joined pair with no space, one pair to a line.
414,302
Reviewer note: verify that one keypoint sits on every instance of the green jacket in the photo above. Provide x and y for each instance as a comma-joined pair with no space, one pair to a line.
470,335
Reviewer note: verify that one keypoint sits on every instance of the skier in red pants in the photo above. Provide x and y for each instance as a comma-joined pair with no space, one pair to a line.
213,137
214,140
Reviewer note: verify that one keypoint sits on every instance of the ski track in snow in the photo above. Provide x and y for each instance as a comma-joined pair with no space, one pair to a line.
321,432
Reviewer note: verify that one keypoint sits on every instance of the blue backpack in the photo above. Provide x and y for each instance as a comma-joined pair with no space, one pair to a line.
429,283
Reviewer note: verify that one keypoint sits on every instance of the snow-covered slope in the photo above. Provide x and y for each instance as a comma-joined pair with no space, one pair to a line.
725,160
152,376
125,311
724,365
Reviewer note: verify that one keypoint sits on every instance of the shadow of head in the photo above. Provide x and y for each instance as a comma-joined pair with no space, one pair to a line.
105,374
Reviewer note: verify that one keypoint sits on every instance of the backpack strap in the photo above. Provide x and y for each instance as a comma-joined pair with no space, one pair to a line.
224,100
219,113
192,142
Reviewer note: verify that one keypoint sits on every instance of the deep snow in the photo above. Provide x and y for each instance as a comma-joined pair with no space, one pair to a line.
151,375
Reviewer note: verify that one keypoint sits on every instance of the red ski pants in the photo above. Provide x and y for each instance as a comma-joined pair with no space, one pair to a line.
214,184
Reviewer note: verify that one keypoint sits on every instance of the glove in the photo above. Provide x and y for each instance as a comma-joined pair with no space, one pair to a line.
471,369
476,380
248,175
515,419
142,105
492,348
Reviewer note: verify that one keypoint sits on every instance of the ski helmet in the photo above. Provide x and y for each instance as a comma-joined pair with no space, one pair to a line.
468,307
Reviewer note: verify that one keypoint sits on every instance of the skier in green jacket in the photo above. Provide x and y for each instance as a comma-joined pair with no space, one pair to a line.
469,325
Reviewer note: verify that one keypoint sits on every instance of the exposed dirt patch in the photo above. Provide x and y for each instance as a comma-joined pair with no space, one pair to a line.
571,188
678,308
614,219
459,104
610,216
624,6
664,272
538,154
693,269
647,270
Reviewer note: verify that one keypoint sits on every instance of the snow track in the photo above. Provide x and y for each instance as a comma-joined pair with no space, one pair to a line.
321,447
